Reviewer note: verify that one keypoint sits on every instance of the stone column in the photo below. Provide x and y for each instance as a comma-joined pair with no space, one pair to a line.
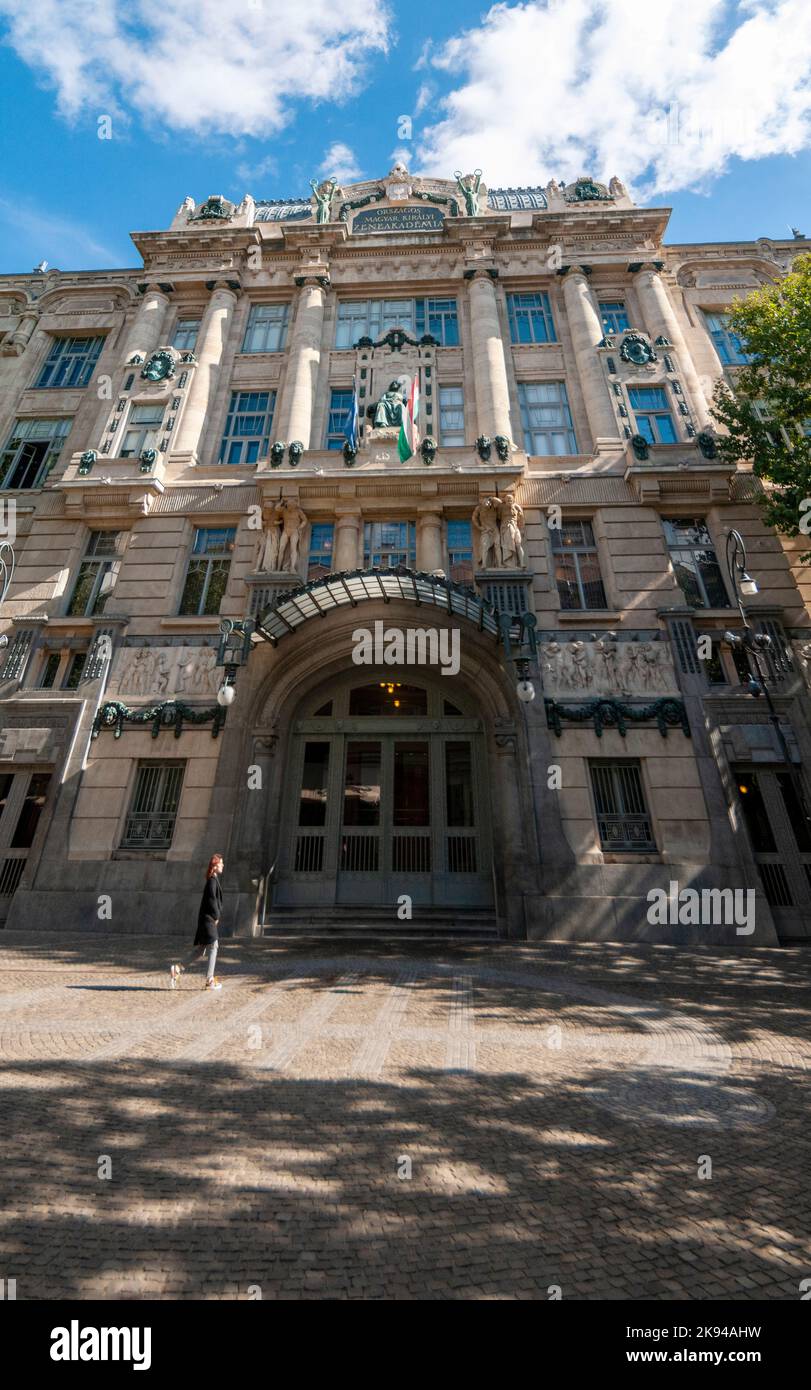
295,418
661,321
145,334
489,366
211,344
430,550
348,520
22,334
587,331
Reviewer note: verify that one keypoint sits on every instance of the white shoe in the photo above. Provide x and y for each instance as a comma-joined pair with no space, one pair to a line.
174,976
213,983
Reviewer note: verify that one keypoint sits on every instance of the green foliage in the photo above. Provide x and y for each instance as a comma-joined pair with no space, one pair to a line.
774,325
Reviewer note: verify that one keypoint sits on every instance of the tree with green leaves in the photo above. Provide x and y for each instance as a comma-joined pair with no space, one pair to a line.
768,415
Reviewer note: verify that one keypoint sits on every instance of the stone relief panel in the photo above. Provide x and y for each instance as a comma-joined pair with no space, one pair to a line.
606,667
165,673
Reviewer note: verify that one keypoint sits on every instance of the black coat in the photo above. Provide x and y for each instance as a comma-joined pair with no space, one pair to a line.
210,912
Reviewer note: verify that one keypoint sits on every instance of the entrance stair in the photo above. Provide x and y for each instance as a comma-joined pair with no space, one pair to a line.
435,922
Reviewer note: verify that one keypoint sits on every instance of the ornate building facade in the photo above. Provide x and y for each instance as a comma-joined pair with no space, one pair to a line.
472,680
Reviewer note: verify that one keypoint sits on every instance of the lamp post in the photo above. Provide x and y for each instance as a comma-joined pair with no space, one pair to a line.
233,652
7,561
757,646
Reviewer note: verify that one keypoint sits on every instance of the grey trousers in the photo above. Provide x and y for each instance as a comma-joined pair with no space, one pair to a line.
198,953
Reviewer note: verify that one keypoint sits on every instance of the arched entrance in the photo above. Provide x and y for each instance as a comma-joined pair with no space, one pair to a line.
385,795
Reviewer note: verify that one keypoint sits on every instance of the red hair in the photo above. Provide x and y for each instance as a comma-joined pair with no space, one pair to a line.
215,859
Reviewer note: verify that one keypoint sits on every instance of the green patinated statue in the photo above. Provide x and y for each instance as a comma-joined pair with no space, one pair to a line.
469,185
390,408
324,193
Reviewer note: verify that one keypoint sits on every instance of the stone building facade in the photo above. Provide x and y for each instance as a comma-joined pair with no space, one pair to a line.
175,460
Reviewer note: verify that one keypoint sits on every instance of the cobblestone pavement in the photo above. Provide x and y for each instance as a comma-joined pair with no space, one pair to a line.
553,1105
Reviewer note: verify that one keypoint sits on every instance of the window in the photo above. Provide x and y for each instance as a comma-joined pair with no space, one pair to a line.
614,316
387,544
460,552
207,574
70,362
546,418
619,799
150,822
692,555
186,331
451,416
32,808
531,318
319,563
339,408
74,672
714,666
577,566
31,452
727,344
47,679
143,428
372,318
267,328
653,418
247,427
97,574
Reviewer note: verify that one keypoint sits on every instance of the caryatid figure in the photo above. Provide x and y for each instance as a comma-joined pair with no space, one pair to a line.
485,524
293,524
269,561
512,548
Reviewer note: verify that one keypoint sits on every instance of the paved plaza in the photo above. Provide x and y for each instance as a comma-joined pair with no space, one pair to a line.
371,1119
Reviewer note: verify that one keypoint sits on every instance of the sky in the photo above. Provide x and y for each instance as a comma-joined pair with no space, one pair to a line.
699,105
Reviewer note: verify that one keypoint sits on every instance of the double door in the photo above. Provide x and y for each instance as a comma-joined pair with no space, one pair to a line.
780,837
22,798
378,815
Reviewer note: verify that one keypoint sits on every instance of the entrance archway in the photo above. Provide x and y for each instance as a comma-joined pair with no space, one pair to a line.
385,796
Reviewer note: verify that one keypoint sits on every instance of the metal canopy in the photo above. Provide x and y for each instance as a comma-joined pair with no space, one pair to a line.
352,587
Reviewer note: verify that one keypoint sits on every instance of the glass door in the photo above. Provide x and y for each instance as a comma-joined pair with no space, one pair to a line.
22,799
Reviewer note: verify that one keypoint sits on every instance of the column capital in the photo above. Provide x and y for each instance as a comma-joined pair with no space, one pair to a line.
430,511
481,272
312,277
162,287
348,512
573,270
233,287
652,267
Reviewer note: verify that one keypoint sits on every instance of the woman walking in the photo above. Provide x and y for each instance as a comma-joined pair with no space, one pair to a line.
208,920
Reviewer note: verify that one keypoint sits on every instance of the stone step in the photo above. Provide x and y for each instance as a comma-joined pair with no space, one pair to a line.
363,921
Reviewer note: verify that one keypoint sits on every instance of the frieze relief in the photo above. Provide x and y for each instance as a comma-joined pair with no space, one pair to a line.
607,667
165,672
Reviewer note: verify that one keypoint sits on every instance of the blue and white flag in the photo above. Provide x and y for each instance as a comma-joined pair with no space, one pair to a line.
352,430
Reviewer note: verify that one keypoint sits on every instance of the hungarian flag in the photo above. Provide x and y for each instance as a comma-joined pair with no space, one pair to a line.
409,437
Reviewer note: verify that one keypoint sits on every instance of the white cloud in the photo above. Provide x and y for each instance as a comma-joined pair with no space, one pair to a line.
231,66
340,162
59,240
424,97
663,94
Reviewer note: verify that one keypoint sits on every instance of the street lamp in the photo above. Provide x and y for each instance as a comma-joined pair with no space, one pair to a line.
233,652
757,645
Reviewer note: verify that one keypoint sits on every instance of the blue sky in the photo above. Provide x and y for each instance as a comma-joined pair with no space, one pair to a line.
704,107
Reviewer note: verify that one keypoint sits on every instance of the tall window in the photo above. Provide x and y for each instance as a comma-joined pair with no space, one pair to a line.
619,799
267,328
531,318
75,671
652,411
150,822
451,416
692,555
546,418
614,316
186,331
460,552
319,561
247,427
70,362
372,318
32,451
207,575
97,574
143,429
339,408
387,544
727,344
577,566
